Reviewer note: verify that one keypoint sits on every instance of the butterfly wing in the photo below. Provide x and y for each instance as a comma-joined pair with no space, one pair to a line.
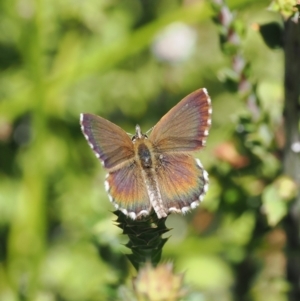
127,191
108,141
182,182
185,127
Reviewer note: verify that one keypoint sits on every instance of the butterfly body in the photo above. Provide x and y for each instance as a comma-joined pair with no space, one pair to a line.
158,171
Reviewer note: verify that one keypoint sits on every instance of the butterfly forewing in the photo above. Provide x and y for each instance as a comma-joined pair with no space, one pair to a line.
185,127
109,142
182,181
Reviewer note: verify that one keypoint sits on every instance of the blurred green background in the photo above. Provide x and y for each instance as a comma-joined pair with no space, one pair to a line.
130,61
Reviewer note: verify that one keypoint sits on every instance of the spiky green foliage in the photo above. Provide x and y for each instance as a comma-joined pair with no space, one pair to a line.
145,237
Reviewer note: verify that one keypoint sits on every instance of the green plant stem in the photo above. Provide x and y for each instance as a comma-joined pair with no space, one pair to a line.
291,160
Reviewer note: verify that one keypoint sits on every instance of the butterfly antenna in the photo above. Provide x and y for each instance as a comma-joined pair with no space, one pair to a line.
149,130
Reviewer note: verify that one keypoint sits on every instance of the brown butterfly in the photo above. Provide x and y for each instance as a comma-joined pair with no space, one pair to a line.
158,171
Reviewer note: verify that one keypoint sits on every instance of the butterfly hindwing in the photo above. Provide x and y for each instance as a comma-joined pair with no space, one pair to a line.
185,127
182,182
127,190
109,142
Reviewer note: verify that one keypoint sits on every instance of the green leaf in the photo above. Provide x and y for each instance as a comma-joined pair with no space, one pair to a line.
274,206
272,34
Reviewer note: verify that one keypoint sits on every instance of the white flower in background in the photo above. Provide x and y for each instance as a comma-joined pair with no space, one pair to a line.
175,43
296,147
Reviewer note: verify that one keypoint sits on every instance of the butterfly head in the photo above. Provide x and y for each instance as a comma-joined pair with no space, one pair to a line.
138,134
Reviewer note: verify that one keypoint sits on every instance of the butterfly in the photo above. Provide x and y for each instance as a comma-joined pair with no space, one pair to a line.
155,172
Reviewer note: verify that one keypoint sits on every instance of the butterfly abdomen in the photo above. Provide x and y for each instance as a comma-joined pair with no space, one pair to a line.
147,160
